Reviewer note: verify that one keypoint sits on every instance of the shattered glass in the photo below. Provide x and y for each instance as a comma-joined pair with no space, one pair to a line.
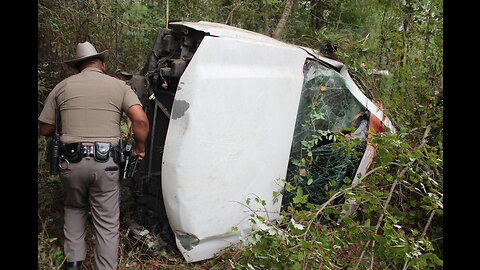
327,110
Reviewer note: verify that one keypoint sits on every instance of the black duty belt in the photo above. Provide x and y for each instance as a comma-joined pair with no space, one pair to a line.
100,151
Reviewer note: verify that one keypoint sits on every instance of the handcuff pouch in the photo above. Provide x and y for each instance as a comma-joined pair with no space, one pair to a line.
101,151
73,152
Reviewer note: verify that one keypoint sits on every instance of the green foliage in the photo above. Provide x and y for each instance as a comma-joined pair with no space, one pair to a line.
400,203
125,28
41,82
49,255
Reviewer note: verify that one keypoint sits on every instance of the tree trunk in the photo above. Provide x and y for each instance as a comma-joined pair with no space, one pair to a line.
316,13
266,27
407,11
283,20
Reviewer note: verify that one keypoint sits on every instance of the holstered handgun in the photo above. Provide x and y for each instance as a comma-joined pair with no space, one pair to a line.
131,162
127,161
53,148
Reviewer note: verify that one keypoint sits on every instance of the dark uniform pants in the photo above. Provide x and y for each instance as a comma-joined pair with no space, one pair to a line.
87,183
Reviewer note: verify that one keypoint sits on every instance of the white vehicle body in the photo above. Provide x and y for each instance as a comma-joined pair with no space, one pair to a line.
230,134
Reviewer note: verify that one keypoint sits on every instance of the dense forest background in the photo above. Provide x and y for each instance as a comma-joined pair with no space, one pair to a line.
395,46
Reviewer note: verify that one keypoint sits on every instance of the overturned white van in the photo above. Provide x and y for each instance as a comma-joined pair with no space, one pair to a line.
226,108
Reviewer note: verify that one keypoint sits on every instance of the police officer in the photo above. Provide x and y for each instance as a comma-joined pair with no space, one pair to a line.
91,104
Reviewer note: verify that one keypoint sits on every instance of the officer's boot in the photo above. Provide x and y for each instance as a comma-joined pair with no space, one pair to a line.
73,265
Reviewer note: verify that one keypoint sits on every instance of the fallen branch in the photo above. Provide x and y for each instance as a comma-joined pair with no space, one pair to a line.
429,221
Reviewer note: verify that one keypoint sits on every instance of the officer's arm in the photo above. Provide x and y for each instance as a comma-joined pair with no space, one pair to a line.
140,128
46,129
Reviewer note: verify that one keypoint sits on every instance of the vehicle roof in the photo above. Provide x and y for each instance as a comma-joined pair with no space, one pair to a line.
228,31
223,30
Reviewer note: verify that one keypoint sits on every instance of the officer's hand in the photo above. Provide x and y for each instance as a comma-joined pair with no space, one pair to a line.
139,154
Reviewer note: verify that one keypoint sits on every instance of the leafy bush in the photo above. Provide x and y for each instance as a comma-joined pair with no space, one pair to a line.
399,201
50,254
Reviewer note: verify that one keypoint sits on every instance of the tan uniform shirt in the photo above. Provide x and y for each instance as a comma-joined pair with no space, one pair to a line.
91,104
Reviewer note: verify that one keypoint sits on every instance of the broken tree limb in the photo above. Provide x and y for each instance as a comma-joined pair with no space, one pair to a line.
429,221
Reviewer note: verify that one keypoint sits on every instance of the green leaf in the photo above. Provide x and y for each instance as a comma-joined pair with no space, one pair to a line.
310,181
367,223
380,239
162,253
52,239
296,266
288,187
299,192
